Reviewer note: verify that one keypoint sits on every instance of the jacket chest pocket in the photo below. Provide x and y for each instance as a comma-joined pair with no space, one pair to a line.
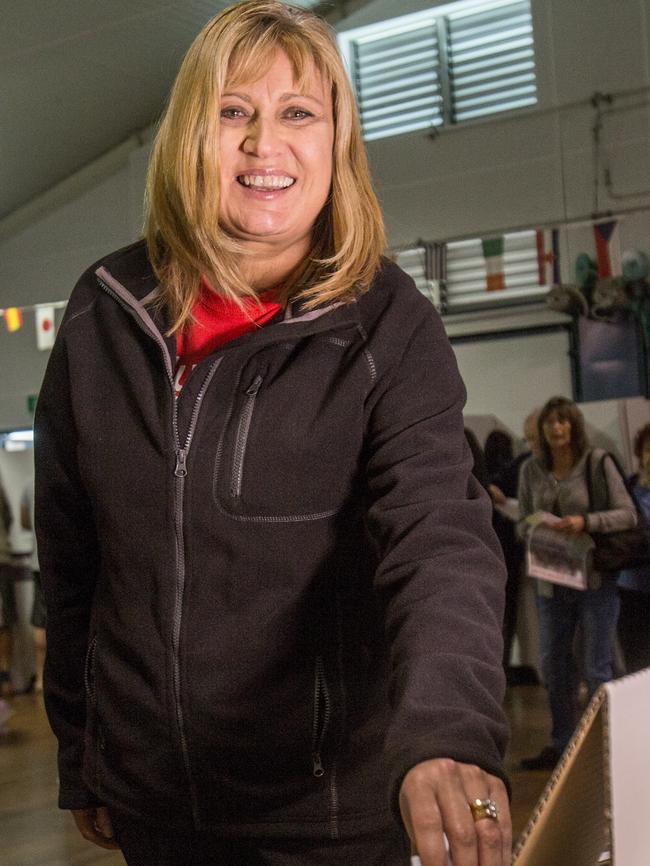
289,449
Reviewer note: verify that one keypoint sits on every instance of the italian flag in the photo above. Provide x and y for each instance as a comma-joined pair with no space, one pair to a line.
493,253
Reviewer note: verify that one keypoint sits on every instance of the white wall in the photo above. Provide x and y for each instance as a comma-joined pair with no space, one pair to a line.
531,166
503,376
42,263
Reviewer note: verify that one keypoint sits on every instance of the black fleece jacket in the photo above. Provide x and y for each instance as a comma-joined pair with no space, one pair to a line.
268,599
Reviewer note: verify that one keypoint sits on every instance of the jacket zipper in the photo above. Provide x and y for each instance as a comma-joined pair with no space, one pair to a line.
322,714
241,440
89,670
180,473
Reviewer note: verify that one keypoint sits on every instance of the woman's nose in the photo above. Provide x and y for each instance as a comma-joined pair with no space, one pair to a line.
263,139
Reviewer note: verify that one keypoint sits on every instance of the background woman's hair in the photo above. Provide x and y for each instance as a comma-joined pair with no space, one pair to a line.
640,438
498,451
182,228
566,411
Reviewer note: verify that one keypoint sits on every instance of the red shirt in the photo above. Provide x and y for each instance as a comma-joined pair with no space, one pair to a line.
216,321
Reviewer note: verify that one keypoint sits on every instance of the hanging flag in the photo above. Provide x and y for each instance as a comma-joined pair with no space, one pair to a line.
608,248
548,257
44,327
493,253
13,317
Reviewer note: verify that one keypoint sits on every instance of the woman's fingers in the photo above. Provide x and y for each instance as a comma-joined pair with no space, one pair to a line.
94,824
435,798
478,841
422,818
499,794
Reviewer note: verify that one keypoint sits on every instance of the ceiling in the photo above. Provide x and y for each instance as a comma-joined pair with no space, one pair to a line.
81,76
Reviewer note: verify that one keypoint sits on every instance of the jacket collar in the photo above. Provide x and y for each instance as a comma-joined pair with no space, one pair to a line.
129,279
129,275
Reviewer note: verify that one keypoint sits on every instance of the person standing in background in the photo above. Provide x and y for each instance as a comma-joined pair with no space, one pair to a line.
634,583
557,483
7,595
38,617
503,484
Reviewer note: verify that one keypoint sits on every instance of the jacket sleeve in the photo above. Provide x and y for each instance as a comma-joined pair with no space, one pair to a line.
440,576
68,555
622,513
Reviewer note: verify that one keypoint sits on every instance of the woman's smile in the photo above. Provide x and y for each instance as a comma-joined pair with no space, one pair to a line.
266,185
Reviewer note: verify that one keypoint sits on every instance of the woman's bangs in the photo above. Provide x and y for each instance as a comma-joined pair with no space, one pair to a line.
254,55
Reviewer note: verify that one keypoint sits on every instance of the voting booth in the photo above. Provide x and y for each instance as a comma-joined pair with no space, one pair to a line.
594,809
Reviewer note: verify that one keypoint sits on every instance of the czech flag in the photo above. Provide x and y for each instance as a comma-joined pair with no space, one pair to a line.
608,248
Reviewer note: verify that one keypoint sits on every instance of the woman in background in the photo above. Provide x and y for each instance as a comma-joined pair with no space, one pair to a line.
557,483
634,583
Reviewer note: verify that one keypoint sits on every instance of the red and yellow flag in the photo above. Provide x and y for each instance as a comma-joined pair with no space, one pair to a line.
13,317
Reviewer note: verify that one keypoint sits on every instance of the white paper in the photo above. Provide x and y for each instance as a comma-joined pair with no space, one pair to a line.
559,557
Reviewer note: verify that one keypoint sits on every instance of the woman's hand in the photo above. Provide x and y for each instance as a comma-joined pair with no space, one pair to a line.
95,825
434,799
573,523
497,495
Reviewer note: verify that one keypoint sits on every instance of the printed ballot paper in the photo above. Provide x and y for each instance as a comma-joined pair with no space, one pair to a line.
556,556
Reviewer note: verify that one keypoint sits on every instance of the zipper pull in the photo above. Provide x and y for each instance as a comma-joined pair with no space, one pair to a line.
181,469
318,766
252,390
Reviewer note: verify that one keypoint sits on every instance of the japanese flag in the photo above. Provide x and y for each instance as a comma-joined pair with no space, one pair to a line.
44,327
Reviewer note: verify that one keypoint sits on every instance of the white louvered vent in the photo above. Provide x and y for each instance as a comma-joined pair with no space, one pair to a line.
397,81
491,59
456,62
413,261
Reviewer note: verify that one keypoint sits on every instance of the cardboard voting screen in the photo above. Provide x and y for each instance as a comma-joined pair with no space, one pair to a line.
594,807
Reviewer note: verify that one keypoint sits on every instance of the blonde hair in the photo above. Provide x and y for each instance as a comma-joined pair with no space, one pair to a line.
184,238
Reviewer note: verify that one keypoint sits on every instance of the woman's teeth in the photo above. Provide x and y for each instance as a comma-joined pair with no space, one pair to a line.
269,181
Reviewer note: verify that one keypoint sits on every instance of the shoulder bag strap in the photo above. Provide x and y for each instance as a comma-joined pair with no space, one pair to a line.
589,477
600,468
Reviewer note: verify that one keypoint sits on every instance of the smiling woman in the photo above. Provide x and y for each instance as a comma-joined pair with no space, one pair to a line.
274,595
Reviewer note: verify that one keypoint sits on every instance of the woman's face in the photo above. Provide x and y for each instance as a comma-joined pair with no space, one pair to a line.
557,431
275,158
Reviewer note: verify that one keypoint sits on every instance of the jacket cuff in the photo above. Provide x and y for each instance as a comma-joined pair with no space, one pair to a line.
73,795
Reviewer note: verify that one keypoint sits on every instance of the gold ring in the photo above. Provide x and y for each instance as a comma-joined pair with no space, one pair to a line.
483,809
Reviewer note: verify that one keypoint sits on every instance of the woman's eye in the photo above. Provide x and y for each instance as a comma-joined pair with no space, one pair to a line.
232,113
297,113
